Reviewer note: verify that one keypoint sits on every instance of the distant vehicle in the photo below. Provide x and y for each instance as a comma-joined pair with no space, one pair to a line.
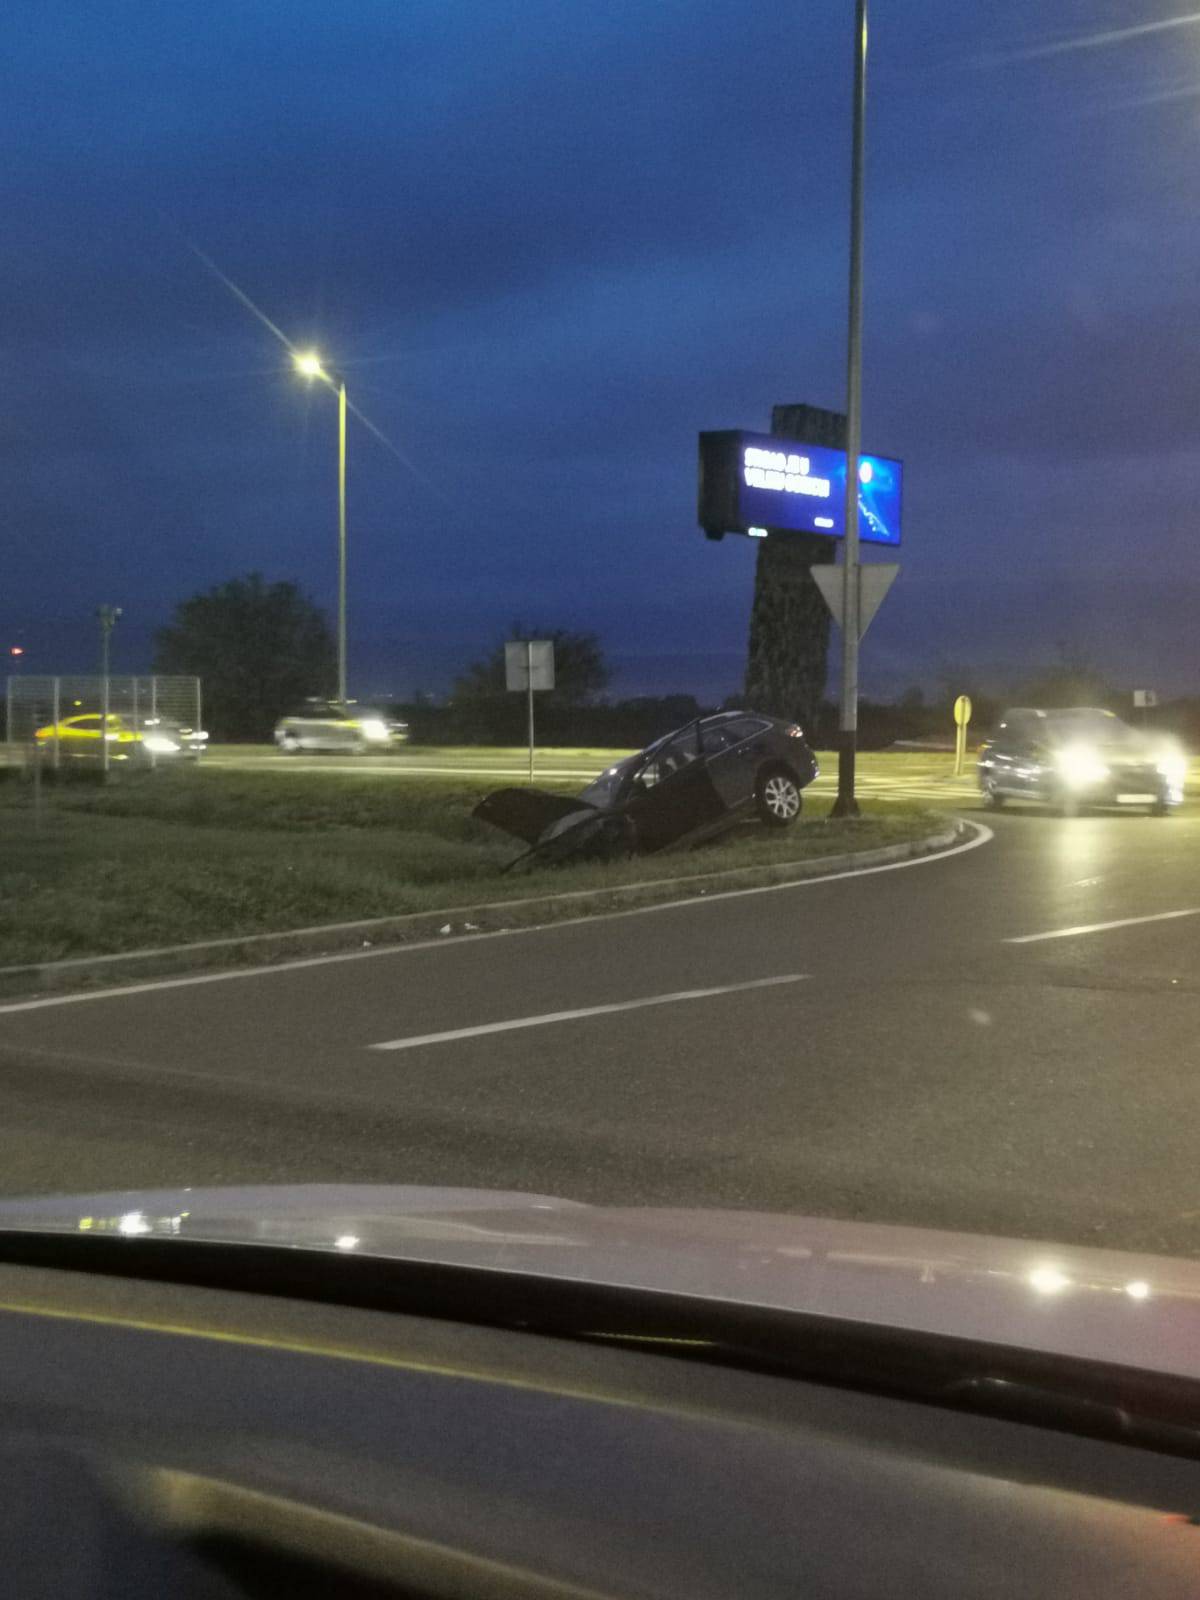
339,726
148,741
1080,757
690,785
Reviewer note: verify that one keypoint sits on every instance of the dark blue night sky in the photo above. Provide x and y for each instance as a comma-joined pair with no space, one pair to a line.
548,242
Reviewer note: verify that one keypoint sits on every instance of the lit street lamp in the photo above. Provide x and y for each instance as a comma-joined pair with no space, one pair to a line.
309,365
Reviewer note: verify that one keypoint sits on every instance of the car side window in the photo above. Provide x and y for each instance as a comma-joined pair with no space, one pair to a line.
716,737
671,758
681,751
743,728
1015,733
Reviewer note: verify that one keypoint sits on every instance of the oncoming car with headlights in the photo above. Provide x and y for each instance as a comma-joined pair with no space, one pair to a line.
333,725
1080,757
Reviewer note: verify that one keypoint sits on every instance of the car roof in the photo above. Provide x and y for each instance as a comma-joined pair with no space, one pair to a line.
728,716
706,721
1058,711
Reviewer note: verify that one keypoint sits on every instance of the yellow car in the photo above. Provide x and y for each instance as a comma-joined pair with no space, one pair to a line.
78,738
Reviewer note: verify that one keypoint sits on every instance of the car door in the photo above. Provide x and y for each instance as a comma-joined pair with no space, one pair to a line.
80,736
341,730
1014,755
1032,760
672,794
734,751
997,759
319,727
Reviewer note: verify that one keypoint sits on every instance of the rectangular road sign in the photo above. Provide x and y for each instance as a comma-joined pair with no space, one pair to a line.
529,664
754,482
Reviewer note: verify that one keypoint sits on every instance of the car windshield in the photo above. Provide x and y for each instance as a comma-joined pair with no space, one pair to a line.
1098,727
644,601
605,789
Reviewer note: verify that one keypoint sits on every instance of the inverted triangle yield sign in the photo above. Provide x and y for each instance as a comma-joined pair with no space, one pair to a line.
874,581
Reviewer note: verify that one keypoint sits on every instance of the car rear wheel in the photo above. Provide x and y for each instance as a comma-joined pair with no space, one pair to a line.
1160,808
777,797
290,745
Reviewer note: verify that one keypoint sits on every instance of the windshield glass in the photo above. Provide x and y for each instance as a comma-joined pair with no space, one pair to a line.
1100,727
422,417
607,786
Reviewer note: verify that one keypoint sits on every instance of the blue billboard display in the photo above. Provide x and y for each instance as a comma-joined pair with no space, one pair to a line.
755,483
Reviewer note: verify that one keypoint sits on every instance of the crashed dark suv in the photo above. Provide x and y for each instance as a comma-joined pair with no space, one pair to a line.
690,785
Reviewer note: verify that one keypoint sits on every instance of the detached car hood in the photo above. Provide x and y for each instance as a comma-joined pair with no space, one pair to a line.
527,813
1135,1310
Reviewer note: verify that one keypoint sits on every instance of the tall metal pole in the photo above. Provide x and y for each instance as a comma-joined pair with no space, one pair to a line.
341,638
107,616
105,630
846,804
529,693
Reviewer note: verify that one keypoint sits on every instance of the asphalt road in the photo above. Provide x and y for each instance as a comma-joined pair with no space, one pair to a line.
914,1064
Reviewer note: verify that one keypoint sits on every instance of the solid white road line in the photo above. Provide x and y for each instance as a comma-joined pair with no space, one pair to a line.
1103,927
416,1039
981,835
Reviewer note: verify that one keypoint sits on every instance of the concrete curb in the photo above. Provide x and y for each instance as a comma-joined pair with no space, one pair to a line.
491,916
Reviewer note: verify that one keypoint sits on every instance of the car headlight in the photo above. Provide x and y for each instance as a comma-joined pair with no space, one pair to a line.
373,728
1173,765
159,745
1081,767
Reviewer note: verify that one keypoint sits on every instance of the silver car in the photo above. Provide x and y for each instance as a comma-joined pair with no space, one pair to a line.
334,725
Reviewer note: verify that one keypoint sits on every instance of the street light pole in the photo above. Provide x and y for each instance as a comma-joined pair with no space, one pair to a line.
341,626
107,616
309,364
846,804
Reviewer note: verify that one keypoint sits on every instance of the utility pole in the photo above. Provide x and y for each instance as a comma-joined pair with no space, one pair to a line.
529,697
846,804
309,364
107,616
341,616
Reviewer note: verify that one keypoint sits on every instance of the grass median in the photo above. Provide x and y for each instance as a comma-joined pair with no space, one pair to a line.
185,855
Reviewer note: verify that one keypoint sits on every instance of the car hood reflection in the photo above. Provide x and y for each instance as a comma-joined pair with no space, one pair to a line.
1131,1309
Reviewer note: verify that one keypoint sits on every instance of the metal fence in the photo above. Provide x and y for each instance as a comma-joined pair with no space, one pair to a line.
97,721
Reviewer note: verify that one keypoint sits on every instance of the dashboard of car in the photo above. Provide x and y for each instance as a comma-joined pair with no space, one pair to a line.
197,1441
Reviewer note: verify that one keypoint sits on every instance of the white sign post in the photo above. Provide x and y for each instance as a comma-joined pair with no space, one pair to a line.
529,665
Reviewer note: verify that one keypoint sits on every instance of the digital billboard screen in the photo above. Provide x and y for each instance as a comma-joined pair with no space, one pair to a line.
756,483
